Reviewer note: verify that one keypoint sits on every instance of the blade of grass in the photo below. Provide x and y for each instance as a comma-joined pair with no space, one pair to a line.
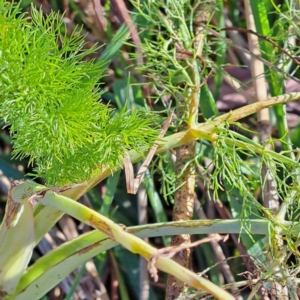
220,50
95,198
234,12
275,79
121,282
156,204
111,187
208,103
114,46
75,283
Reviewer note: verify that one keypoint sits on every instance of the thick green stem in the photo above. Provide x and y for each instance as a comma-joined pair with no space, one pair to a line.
129,241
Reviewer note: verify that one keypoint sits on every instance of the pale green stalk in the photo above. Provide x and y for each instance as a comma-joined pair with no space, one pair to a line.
129,241
46,272
16,238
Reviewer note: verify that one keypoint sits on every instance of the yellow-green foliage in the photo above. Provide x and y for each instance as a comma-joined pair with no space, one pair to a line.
50,99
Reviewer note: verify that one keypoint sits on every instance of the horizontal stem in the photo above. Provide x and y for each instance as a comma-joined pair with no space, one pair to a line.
72,254
130,242
206,131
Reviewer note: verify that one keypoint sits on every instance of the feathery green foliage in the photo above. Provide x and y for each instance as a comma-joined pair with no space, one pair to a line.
50,99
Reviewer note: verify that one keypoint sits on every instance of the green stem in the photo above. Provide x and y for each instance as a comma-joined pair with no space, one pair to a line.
130,242
74,253
206,131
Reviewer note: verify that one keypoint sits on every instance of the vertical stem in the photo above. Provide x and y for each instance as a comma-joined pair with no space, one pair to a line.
270,196
269,190
183,210
143,219
187,111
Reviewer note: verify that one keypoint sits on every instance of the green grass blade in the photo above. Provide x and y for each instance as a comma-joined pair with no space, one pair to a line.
95,198
207,103
220,51
275,79
234,13
121,281
111,188
156,204
75,283
114,46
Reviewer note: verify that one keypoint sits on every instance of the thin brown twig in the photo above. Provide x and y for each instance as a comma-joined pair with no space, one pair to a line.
132,183
100,19
172,250
182,53
263,37
218,251
267,63
123,11
144,288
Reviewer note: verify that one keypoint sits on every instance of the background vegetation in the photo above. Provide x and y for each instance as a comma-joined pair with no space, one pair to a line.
172,57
